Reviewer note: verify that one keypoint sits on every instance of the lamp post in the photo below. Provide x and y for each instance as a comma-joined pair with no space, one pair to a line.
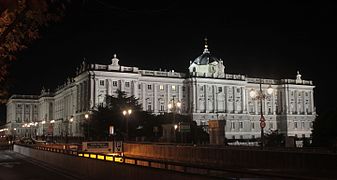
67,131
52,132
43,122
127,113
86,116
260,96
174,106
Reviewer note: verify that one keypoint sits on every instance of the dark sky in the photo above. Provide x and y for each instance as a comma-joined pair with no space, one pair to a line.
259,39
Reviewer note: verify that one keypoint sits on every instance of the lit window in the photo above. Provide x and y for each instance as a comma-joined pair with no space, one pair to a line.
114,83
127,84
101,82
173,88
161,87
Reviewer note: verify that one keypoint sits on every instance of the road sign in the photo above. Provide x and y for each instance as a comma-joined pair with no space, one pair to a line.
118,146
262,119
262,124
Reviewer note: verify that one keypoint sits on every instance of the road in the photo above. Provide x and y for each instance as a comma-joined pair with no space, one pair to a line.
14,166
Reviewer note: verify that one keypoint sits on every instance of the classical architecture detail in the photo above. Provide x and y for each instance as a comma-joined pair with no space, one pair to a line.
206,93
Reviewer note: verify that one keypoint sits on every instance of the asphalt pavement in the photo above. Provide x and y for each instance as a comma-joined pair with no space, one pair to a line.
14,166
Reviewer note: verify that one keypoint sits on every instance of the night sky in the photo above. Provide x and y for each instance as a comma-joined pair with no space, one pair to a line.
259,39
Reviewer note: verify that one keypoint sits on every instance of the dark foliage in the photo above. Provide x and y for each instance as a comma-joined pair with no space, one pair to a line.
325,129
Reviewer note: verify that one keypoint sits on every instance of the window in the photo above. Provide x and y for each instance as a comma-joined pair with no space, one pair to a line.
253,125
161,107
173,88
139,86
101,82
238,90
219,89
149,108
295,125
241,125
271,126
161,87
114,83
241,137
127,84
149,87
233,137
233,125
253,136
311,124
303,125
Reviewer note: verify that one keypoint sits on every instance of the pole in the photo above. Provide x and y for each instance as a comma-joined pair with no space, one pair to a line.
262,123
127,127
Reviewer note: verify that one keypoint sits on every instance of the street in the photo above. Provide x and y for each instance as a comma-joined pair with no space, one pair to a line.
14,166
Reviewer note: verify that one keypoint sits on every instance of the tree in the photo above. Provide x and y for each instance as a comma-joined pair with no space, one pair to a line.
274,139
110,114
325,129
20,24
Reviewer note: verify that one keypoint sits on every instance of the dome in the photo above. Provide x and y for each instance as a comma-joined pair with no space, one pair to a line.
205,58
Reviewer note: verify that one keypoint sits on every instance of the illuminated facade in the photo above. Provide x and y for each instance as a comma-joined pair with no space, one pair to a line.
206,93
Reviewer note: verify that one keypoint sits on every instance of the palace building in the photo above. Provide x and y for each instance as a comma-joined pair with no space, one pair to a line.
206,93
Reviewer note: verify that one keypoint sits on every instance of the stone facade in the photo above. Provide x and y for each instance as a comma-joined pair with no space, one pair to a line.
206,93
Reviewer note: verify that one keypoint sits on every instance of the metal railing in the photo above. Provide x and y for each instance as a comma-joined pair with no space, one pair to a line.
182,167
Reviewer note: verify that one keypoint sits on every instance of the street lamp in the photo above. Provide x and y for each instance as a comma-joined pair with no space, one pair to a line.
174,106
127,113
86,116
52,128
260,96
43,122
69,122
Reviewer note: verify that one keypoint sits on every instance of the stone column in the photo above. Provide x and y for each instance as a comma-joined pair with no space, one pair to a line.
312,101
215,108
135,88
226,99
155,98
243,100
144,96
194,98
